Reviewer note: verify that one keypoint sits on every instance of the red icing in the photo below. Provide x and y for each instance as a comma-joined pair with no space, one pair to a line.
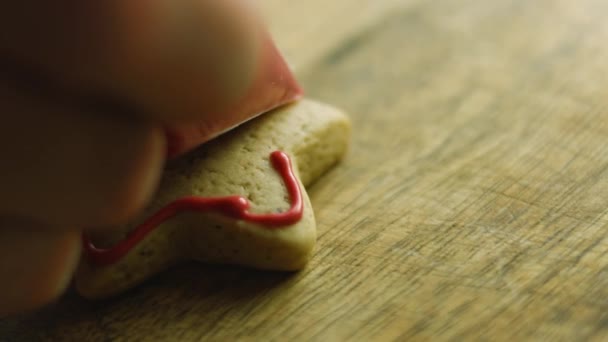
236,207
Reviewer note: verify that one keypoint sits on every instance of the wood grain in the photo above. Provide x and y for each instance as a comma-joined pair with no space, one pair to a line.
473,204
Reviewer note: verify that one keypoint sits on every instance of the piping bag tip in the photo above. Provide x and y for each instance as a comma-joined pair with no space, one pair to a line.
273,86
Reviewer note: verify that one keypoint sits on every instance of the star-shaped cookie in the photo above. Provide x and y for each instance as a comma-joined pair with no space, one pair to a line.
239,199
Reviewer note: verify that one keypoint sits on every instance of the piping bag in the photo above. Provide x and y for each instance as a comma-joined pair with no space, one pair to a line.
273,85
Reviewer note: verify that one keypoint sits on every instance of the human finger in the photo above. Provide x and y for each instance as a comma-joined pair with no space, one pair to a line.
175,60
74,165
36,264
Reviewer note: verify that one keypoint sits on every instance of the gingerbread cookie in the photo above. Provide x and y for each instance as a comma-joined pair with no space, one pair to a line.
239,199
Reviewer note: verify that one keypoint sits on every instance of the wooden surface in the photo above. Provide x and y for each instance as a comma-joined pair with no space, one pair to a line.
473,204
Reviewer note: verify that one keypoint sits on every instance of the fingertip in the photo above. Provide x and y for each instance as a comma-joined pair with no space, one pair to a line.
200,58
134,187
36,265
76,167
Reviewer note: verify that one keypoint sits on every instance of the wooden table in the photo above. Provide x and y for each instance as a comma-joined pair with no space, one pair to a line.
473,204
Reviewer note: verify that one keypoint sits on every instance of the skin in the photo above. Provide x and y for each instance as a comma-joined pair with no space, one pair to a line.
85,89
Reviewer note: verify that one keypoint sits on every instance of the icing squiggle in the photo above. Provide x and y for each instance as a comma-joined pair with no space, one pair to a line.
236,207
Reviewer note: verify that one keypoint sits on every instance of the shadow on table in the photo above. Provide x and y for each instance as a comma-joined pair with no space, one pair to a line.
191,296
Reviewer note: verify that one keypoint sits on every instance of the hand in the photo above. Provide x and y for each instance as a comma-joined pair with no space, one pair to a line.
85,88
